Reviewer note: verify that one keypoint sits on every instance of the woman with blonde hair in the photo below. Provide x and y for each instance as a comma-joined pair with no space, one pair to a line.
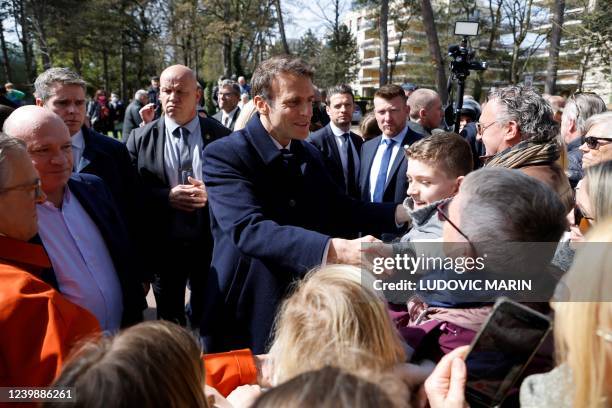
593,199
334,318
246,113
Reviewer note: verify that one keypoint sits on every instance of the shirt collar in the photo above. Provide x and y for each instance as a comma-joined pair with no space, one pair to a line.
399,138
78,141
336,130
13,250
278,145
191,126
231,113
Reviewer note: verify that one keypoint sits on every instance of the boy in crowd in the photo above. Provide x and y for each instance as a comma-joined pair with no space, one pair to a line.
436,168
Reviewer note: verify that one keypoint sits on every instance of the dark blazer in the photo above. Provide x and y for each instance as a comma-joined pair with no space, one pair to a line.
324,140
271,222
396,184
132,119
110,160
98,202
219,116
146,148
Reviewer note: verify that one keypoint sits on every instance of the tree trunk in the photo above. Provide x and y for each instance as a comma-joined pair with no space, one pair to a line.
553,50
25,40
124,91
6,65
584,66
434,48
227,56
105,69
281,27
383,70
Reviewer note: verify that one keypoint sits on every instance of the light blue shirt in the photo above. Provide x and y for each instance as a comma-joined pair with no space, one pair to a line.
82,263
173,146
399,138
343,150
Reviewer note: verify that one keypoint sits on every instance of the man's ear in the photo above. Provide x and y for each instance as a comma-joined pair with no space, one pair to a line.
328,110
572,125
458,182
39,102
512,135
261,105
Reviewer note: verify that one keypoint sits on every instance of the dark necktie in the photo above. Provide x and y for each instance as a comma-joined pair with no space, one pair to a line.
186,162
351,186
381,179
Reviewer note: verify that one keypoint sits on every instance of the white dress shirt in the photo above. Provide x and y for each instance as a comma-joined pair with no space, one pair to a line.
343,150
226,118
399,138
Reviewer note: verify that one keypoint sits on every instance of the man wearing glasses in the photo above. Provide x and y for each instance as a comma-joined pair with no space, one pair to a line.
519,132
44,324
597,142
229,96
79,224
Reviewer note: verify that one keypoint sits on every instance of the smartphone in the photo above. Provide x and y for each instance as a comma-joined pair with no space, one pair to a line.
501,350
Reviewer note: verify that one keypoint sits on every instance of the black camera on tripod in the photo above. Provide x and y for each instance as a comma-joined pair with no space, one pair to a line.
462,62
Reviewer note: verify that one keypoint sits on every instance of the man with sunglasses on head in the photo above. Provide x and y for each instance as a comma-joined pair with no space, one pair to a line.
519,132
597,142
578,108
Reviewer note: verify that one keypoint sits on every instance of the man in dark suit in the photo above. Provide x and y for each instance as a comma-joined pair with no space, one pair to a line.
79,225
132,118
167,154
340,147
229,96
274,210
382,177
63,92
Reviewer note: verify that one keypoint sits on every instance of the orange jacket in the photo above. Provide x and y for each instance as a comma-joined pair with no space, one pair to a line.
226,371
38,325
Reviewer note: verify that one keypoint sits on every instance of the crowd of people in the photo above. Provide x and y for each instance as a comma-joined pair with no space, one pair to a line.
268,212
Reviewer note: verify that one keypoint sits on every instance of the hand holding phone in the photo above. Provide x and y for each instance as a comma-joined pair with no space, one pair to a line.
501,350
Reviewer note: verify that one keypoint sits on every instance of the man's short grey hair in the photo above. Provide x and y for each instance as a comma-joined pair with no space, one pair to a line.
599,119
228,83
501,204
8,144
64,76
529,110
139,94
581,106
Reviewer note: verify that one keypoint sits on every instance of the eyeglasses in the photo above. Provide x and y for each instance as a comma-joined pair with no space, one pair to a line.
33,187
592,142
442,210
480,128
581,220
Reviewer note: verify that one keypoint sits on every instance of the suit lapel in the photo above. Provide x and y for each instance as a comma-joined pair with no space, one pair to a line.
369,151
408,139
330,139
160,151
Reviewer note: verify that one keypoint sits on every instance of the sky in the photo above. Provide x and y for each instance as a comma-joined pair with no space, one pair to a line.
300,15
